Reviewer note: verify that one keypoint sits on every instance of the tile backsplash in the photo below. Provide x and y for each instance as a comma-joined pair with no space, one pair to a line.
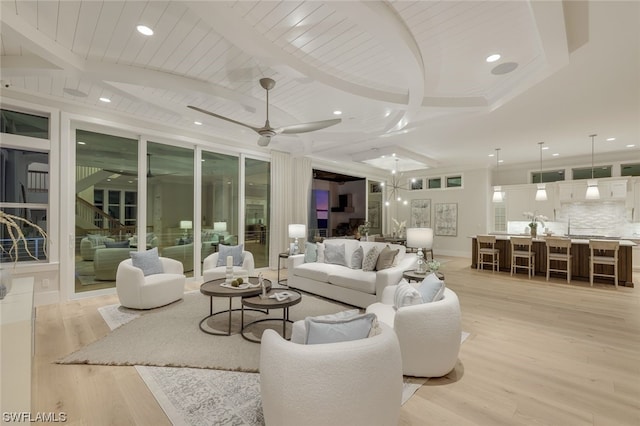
606,218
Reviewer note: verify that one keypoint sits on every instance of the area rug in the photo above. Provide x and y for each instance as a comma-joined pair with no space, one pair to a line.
170,336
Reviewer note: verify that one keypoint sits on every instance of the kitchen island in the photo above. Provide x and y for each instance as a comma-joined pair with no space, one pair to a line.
579,264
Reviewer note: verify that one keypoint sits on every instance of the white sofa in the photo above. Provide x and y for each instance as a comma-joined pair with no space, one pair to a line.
212,272
429,333
355,383
353,286
90,243
137,291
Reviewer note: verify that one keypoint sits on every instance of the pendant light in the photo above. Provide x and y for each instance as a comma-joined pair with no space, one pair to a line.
541,193
497,190
592,184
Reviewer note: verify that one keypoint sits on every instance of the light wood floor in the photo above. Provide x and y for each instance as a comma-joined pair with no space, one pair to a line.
539,353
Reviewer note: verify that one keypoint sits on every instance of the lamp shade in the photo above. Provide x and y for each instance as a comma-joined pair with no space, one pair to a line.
220,226
541,193
592,190
186,224
419,237
497,194
297,230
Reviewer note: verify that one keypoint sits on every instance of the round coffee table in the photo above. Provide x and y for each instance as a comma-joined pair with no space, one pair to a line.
214,289
258,303
412,275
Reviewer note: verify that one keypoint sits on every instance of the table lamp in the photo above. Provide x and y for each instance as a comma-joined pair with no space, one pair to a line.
220,226
297,230
186,225
419,238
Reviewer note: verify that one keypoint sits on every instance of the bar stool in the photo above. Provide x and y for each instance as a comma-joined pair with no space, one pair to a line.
521,249
487,247
603,252
559,249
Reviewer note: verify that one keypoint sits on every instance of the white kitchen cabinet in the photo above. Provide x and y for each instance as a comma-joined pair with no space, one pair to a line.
613,190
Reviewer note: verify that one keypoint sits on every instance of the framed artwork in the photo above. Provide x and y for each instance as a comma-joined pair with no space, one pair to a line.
446,219
374,214
420,213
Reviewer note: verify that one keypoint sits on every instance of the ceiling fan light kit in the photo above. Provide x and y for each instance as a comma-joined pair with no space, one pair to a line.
267,132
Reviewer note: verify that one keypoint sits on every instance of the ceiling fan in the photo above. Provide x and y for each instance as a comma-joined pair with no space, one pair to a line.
129,173
267,132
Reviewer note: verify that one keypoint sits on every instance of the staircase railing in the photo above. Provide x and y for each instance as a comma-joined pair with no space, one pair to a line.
88,212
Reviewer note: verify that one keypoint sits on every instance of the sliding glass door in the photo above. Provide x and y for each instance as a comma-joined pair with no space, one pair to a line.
257,207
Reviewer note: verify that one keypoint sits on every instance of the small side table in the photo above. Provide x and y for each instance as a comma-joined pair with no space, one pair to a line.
258,303
412,275
280,257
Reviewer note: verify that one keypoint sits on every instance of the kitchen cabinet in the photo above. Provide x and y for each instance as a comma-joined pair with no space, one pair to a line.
613,190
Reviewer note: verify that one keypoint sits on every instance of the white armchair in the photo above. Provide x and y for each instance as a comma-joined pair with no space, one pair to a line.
139,292
212,272
429,333
354,383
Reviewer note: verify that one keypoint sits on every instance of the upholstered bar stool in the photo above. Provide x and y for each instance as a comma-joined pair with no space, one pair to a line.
559,250
521,249
487,247
603,252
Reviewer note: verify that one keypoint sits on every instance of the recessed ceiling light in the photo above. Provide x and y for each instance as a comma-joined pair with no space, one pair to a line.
545,147
491,155
611,139
105,100
143,29
109,180
555,154
630,146
81,143
337,112
197,123
493,58
500,161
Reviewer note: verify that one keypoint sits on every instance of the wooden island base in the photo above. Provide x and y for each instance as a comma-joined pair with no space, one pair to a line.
579,264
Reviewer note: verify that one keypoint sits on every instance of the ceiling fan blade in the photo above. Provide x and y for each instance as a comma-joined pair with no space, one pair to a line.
121,172
264,140
308,127
204,111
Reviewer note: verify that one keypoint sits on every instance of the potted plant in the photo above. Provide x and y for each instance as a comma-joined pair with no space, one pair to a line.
13,225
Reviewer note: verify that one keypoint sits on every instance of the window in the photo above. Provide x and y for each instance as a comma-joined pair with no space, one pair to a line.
23,124
18,198
630,169
454,181
435,183
548,176
415,184
598,172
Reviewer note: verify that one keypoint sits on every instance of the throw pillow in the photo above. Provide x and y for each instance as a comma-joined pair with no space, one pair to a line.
148,261
310,252
370,260
357,257
385,258
406,295
233,251
431,289
338,330
334,253
118,244
320,247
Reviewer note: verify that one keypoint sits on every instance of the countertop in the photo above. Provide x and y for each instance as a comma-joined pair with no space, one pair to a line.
540,238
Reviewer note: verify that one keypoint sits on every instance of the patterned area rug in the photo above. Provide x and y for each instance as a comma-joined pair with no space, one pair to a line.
196,396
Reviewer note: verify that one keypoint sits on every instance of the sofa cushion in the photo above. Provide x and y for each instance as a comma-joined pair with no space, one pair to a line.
370,259
350,245
431,289
320,250
357,258
386,258
314,271
233,251
406,295
148,261
339,329
310,252
355,279
334,253
116,244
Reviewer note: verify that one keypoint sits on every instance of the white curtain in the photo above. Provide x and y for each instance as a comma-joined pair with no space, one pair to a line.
281,205
303,173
